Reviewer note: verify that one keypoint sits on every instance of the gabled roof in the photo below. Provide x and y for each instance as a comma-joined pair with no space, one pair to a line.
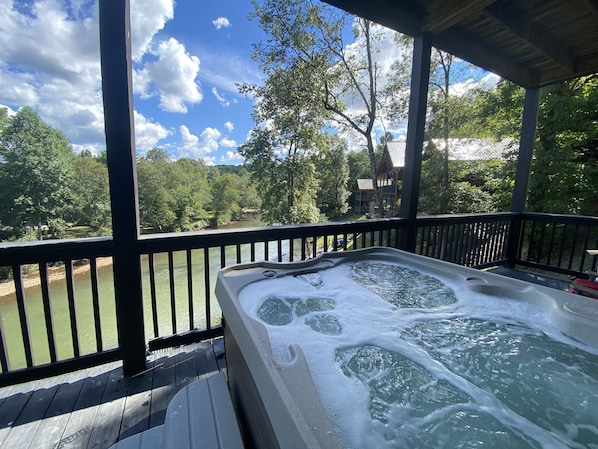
393,157
530,42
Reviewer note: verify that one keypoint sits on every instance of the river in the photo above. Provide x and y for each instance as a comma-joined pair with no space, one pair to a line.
11,330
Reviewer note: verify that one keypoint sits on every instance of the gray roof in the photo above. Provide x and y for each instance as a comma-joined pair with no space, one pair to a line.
476,149
365,184
396,152
459,150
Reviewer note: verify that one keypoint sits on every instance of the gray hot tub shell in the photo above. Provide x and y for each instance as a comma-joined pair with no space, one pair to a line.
277,403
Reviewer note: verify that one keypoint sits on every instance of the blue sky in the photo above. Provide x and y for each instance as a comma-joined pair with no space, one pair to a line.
188,58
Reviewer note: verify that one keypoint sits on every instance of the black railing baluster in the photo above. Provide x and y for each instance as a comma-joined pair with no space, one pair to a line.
153,298
541,242
551,244
207,289
190,290
291,250
50,334
238,253
95,299
4,362
279,248
171,284
573,246
252,252
562,247
17,273
70,289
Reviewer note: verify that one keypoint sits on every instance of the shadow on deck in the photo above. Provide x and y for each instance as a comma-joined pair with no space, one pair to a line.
96,407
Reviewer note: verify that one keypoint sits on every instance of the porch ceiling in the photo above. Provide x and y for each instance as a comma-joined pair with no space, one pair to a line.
530,42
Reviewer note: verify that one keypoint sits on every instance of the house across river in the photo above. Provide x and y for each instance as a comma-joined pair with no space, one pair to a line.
390,169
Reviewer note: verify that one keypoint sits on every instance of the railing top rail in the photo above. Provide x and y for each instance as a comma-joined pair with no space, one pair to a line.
206,239
464,218
581,219
52,250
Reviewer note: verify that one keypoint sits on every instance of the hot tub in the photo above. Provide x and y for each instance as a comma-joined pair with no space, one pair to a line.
449,356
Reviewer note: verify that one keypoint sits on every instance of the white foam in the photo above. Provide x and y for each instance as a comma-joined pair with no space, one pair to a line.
367,319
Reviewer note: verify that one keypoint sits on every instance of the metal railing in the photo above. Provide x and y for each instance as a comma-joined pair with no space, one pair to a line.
558,243
68,321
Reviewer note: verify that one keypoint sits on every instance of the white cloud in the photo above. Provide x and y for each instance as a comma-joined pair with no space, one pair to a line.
228,143
221,22
9,111
231,156
49,60
229,126
147,18
225,102
148,133
195,147
173,75
58,76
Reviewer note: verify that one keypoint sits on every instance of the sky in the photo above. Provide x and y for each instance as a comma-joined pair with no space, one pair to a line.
188,58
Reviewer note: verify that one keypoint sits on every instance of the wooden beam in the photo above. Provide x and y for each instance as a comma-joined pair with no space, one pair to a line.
117,90
520,25
445,14
491,59
405,17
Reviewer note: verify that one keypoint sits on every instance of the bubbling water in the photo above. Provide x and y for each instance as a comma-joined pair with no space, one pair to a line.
402,359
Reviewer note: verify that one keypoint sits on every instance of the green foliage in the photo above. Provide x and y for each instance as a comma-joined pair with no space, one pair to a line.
312,74
564,177
173,196
285,177
470,189
333,173
35,174
91,196
225,198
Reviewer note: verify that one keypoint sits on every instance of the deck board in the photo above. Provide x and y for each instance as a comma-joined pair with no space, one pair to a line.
49,432
95,408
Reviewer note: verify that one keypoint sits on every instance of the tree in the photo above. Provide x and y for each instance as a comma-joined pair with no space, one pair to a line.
225,198
342,82
285,176
333,173
36,173
564,177
172,195
91,195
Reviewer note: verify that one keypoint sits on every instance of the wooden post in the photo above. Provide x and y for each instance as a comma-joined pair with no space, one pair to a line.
420,74
524,165
115,55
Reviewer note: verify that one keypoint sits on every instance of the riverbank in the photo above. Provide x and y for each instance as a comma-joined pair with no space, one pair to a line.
7,288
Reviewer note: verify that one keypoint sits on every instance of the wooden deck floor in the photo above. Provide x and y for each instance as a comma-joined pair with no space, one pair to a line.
94,408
